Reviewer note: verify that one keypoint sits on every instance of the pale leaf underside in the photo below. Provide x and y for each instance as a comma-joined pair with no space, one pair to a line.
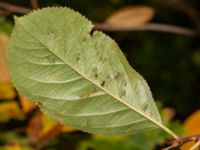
79,79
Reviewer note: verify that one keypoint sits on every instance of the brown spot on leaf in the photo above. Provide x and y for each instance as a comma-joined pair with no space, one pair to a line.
77,58
88,93
102,59
145,107
85,38
50,59
96,75
123,93
108,78
118,76
103,83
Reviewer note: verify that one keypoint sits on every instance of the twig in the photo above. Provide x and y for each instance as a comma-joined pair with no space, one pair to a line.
15,9
191,12
34,4
177,143
183,6
109,27
171,146
146,27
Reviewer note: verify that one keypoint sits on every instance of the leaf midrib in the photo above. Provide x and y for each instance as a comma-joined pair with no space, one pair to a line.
96,84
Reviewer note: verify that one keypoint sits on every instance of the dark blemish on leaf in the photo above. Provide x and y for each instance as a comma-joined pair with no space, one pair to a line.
87,123
123,93
95,72
50,33
108,78
84,39
151,113
103,59
96,75
78,58
62,110
88,93
145,107
118,76
50,59
103,83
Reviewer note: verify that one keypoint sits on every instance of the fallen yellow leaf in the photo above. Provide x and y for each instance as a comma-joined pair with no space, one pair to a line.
192,127
131,16
15,146
27,105
42,128
10,110
68,129
48,124
192,123
4,39
7,91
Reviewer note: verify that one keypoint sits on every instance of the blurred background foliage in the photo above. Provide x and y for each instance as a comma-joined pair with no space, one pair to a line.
170,63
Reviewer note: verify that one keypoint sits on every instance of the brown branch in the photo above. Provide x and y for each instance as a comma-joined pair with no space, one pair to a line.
108,27
191,12
181,141
184,7
34,4
14,9
171,146
146,27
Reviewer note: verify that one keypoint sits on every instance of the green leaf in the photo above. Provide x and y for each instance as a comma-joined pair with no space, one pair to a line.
79,79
